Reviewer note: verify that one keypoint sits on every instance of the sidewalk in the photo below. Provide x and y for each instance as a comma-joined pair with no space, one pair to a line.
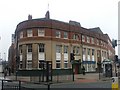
89,77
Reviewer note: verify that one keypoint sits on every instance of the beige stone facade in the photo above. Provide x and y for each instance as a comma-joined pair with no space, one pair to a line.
51,40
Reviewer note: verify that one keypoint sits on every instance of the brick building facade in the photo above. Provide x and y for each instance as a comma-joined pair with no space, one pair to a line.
46,39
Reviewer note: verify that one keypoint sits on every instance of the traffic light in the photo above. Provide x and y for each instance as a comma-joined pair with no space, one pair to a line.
114,43
116,58
72,56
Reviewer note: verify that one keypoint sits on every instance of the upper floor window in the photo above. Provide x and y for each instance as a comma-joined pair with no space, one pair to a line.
41,32
88,39
83,38
21,34
75,37
41,47
92,40
84,51
65,35
20,49
29,48
65,49
29,33
97,42
58,34
88,51
58,48
77,50
93,52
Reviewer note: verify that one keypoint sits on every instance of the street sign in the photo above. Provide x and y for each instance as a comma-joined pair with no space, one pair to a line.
115,84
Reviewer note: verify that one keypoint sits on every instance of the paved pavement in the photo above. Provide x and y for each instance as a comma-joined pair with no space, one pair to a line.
90,80
89,77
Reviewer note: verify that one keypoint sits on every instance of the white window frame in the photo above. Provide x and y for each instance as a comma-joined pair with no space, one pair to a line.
28,63
92,40
29,33
83,38
21,34
65,62
58,34
97,42
75,37
88,39
29,53
58,62
41,32
65,35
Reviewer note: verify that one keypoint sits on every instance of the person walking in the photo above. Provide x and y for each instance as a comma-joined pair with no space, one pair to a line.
5,73
83,70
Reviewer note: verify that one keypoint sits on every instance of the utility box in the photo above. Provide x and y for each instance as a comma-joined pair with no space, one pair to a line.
115,83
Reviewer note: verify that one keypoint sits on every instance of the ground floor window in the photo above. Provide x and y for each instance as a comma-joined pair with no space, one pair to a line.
58,64
42,64
20,65
29,64
89,67
65,64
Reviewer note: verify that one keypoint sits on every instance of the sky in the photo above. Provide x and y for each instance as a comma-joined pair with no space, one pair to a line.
89,13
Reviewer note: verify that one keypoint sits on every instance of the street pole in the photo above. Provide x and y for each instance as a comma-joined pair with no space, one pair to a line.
73,72
99,71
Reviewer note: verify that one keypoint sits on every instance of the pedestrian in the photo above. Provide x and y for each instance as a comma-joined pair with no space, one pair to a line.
9,70
5,73
83,70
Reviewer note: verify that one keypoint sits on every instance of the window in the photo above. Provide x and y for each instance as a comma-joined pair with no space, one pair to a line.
29,48
58,34
84,51
92,40
65,35
88,51
20,64
41,47
65,64
97,42
41,32
57,64
58,48
29,64
83,38
65,49
77,50
29,33
93,52
88,39
74,49
21,34
41,65
75,37
20,49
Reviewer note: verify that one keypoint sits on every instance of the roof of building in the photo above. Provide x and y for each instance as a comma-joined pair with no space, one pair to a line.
97,30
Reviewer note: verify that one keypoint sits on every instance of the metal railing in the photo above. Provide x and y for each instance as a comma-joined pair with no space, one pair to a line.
11,85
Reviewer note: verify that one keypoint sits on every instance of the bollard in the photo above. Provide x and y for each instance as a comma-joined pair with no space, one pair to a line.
115,83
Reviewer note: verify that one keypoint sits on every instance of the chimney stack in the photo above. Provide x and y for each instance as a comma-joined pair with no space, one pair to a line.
47,15
29,17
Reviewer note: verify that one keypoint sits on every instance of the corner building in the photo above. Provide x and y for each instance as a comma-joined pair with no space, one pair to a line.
46,39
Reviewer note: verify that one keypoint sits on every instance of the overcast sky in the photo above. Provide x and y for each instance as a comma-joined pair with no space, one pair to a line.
90,14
